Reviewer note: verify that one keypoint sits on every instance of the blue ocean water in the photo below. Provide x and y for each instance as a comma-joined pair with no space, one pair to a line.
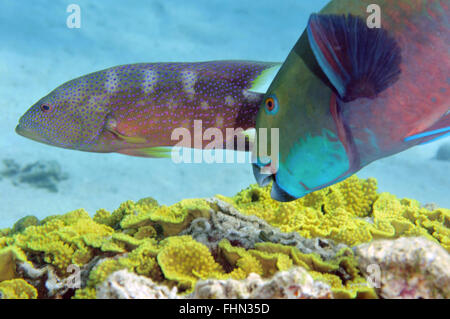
39,52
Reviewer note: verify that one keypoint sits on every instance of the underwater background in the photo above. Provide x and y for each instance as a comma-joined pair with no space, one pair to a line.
39,52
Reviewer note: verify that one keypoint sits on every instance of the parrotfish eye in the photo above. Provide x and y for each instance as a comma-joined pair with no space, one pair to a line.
271,105
46,108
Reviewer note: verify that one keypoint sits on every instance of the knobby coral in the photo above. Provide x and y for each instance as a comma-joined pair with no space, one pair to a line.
351,212
219,238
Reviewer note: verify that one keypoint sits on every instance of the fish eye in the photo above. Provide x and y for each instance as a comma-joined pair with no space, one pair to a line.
46,108
271,105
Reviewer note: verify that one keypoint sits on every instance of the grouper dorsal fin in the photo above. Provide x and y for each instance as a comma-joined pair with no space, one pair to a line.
262,82
358,61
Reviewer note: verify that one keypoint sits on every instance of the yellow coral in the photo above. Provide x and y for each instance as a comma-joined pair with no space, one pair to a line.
102,270
351,212
269,258
241,260
142,260
64,240
85,293
353,286
17,289
185,260
171,219
113,220
9,256
145,232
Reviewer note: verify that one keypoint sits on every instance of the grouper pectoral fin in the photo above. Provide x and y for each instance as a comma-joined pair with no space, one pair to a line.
154,152
111,126
262,82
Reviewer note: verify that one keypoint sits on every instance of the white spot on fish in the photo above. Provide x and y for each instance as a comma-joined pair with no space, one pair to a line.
188,79
250,96
111,80
172,104
111,124
150,80
219,121
229,100
204,105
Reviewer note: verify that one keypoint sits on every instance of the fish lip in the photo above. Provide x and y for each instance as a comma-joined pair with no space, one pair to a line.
261,179
29,134
21,131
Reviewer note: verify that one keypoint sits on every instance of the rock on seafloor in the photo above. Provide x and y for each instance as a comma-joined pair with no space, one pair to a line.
123,284
443,153
411,267
293,283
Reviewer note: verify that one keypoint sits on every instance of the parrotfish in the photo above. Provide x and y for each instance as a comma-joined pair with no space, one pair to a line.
352,92
133,109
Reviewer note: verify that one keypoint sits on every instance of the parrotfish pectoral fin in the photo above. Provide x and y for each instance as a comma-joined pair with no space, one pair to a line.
437,131
358,61
155,152
262,82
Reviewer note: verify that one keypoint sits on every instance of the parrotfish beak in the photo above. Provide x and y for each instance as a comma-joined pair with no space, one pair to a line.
277,192
261,179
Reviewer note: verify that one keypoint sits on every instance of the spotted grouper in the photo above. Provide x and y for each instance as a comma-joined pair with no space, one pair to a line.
134,109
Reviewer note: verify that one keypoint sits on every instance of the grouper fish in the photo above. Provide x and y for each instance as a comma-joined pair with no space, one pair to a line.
352,92
133,109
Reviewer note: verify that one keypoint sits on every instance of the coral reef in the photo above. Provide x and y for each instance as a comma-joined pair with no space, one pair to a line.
17,289
199,247
351,212
41,174
295,283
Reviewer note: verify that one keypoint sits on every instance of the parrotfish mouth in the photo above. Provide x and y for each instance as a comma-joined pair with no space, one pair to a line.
277,192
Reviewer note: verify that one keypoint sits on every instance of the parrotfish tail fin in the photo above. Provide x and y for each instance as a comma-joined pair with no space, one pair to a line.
155,152
262,82
358,61
437,131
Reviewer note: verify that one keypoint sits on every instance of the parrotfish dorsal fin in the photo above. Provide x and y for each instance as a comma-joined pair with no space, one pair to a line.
358,61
